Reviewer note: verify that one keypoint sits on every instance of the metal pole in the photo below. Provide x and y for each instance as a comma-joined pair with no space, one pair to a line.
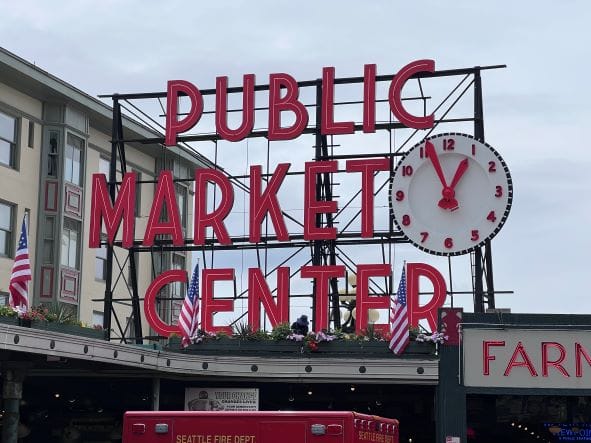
115,137
12,393
483,264
156,394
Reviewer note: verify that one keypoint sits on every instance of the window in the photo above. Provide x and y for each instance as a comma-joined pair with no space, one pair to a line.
138,194
3,298
178,289
97,318
6,228
181,195
7,139
73,165
179,170
70,242
31,142
48,244
101,263
52,154
104,166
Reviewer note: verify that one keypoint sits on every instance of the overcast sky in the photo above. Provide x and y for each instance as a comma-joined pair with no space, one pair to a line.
536,110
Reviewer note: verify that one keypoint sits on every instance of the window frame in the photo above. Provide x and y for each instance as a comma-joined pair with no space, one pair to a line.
78,232
69,167
9,249
13,144
101,256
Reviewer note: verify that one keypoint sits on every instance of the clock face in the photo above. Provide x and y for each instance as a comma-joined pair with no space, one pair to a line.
450,193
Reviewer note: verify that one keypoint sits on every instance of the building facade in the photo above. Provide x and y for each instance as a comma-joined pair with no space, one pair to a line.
53,137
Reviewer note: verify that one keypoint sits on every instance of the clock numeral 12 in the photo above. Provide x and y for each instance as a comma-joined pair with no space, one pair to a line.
449,144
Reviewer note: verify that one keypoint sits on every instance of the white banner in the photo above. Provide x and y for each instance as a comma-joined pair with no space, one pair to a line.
221,399
527,358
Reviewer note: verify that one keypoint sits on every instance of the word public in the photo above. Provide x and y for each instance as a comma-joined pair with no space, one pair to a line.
283,97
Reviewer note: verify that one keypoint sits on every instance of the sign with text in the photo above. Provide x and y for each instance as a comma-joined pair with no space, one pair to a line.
527,358
221,399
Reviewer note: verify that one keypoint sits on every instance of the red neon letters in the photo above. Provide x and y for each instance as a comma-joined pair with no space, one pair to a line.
277,308
284,98
552,359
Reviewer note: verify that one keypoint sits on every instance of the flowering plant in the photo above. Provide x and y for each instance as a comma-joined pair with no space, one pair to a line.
35,313
312,339
203,335
434,337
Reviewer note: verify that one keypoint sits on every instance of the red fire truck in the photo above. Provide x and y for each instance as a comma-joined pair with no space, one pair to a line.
257,427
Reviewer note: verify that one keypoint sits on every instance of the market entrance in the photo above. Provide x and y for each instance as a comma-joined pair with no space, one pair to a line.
528,418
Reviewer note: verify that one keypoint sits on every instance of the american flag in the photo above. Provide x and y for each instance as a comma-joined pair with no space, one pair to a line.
189,316
399,319
21,273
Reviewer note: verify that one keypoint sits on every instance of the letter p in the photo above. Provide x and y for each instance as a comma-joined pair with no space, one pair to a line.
173,125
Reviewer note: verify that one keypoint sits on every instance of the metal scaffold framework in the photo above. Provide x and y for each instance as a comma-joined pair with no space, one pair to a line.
457,101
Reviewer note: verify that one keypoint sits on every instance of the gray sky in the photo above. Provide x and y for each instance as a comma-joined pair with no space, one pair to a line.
535,110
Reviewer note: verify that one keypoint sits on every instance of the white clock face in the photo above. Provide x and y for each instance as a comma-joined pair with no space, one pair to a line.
450,193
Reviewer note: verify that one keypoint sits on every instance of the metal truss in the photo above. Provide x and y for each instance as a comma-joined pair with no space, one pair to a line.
451,110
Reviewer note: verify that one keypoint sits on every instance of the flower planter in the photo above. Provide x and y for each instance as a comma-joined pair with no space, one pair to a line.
69,329
24,322
232,345
335,348
12,320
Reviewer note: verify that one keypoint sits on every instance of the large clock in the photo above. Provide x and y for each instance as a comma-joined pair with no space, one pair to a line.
450,193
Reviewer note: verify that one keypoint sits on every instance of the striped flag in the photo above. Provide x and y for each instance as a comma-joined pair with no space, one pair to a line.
189,316
399,324
21,274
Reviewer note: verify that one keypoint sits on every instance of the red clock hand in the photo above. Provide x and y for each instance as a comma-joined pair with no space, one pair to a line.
462,167
448,201
430,152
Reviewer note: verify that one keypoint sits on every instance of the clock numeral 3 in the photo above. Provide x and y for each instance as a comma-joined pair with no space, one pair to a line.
449,144
491,216
475,235
448,243
499,191
406,220
473,149
399,196
424,236
407,171
492,166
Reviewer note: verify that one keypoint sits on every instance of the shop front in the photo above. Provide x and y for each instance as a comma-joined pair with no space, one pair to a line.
517,377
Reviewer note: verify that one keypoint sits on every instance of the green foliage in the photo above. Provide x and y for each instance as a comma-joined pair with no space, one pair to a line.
281,331
221,334
243,331
414,332
61,313
7,311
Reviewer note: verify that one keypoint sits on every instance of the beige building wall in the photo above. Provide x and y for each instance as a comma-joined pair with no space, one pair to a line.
42,184
20,186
